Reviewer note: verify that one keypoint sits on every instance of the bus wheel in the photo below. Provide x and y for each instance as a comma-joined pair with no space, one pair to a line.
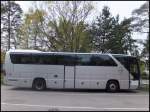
39,84
112,86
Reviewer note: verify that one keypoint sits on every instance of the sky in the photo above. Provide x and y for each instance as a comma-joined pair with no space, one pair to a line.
123,8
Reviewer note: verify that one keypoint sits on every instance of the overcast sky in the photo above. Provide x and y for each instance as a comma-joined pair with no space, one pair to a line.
123,8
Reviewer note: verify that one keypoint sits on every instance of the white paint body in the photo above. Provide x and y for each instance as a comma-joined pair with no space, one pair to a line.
78,77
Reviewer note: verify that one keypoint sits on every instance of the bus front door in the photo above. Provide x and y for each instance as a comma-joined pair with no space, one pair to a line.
69,77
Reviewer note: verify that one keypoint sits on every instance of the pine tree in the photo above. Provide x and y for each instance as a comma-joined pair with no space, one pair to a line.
110,35
10,22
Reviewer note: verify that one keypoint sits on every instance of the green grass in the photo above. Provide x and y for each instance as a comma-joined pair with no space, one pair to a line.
145,87
145,77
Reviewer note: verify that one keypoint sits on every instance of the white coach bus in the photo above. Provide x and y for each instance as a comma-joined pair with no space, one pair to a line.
41,70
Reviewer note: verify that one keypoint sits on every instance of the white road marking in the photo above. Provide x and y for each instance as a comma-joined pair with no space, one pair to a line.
94,108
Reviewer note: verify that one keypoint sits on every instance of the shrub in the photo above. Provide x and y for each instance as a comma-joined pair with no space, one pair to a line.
144,75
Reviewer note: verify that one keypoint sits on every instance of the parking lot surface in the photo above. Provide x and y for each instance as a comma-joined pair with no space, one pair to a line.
25,99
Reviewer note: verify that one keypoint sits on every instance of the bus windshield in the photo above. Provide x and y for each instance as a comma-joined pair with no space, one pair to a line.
131,64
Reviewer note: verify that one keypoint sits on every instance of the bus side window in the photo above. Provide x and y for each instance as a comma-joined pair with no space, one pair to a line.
69,59
26,59
102,60
83,59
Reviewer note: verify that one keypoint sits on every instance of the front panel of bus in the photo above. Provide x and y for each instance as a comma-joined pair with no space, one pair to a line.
131,64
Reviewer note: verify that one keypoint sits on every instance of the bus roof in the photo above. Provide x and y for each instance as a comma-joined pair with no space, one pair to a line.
23,50
37,51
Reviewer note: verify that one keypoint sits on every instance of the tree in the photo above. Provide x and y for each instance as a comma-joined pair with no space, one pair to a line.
123,40
29,34
3,8
101,30
111,35
65,27
59,27
140,18
145,51
23,33
10,21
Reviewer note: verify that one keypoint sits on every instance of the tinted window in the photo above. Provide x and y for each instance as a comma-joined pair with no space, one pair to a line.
83,59
21,58
131,64
26,59
95,60
51,59
123,60
65,59
102,60
14,58
70,59
44,59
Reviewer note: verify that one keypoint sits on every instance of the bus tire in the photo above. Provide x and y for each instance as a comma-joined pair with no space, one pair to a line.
39,84
112,86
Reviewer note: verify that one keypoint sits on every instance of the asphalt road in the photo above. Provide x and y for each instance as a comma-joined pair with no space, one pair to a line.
19,99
